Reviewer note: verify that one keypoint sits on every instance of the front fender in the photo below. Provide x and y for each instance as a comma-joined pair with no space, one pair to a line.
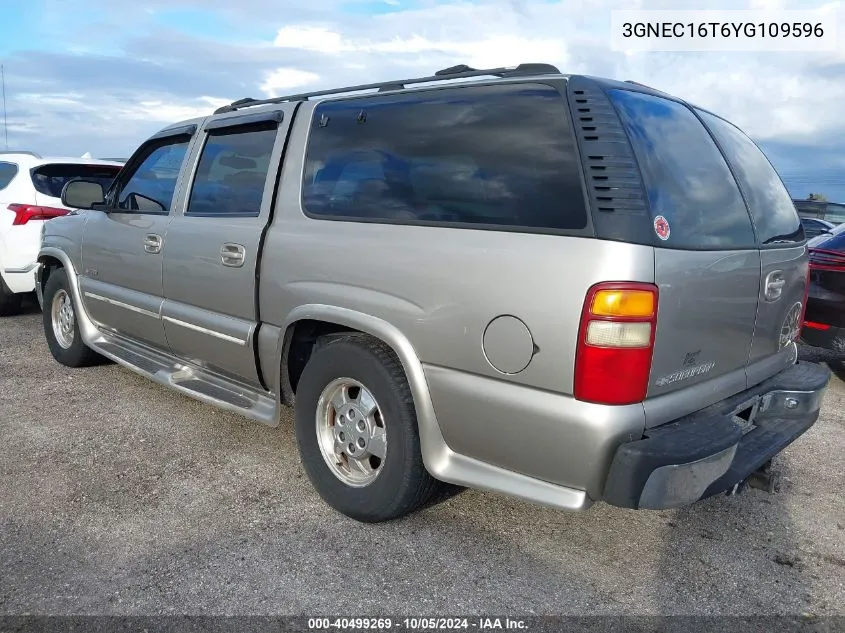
86,326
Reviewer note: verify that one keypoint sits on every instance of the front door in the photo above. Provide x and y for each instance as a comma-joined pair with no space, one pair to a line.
123,247
210,311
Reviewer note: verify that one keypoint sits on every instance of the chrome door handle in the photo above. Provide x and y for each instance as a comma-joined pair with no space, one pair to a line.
152,243
232,255
774,285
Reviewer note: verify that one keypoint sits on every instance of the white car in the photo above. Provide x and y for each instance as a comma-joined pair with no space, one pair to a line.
30,192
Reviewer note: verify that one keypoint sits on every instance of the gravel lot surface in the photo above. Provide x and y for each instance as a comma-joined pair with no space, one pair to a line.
118,496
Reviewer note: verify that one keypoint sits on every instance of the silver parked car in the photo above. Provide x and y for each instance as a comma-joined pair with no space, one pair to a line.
562,288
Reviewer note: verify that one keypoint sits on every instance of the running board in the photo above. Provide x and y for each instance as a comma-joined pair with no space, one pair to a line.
196,382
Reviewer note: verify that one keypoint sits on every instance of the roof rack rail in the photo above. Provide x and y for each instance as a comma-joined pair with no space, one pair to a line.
461,71
637,83
26,153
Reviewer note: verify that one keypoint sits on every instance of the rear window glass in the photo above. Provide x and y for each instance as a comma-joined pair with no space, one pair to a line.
834,212
809,209
771,206
695,201
7,172
500,156
49,180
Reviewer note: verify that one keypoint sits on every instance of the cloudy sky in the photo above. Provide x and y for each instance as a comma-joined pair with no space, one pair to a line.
100,75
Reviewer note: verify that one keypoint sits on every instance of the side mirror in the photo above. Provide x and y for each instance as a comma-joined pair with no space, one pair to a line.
83,194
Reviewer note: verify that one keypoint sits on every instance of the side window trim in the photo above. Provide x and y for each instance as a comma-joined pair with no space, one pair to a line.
274,116
183,130
232,126
137,159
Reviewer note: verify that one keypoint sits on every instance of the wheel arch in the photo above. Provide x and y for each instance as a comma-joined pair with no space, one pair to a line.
337,320
54,258
49,262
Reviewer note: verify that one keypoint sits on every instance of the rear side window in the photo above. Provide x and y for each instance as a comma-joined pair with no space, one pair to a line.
486,156
809,209
49,180
231,173
834,212
771,206
694,200
7,172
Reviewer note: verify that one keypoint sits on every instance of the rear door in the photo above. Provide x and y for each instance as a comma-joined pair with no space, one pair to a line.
706,261
210,311
782,249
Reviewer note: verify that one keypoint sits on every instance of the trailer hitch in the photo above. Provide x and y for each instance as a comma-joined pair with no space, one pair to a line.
764,478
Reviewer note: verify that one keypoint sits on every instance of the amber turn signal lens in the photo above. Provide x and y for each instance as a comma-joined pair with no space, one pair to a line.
623,303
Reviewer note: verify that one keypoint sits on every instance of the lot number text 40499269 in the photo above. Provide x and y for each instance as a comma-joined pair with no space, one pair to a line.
417,624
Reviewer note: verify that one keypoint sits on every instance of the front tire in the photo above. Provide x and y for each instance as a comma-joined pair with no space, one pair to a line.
61,328
10,302
356,428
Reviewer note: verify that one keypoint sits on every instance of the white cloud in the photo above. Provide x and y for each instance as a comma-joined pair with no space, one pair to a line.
286,78
767,94
772,96
157,110
310,38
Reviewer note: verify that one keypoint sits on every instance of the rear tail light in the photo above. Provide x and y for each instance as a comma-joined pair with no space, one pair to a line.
615,343
821,259
816,326
26,212
801,322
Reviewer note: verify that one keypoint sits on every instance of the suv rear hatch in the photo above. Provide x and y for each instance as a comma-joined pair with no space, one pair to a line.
730,288
49,179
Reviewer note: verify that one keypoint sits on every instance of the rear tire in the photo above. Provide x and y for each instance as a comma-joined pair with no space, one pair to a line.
356,428
61,328
10,302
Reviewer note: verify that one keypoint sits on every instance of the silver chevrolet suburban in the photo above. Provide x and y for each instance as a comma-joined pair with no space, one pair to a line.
563,288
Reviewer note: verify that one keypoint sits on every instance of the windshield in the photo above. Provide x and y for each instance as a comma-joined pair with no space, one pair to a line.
50,180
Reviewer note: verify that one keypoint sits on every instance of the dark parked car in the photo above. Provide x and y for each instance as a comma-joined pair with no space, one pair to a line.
824,320
814,227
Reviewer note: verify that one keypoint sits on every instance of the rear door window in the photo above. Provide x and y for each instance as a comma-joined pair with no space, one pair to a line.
232,172
479,157
49,180
694,199
771,206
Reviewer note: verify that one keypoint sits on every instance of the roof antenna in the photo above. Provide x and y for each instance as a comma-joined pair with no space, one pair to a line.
5,121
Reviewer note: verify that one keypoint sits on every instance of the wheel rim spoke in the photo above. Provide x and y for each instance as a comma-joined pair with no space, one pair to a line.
350,432
63,319
367,402
378,443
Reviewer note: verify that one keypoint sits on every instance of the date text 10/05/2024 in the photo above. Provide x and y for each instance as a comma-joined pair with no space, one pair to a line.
416,624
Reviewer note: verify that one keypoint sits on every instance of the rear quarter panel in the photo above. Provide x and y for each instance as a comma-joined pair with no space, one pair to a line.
440,286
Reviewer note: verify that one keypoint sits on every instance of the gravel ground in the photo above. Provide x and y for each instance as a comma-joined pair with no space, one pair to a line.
118,496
